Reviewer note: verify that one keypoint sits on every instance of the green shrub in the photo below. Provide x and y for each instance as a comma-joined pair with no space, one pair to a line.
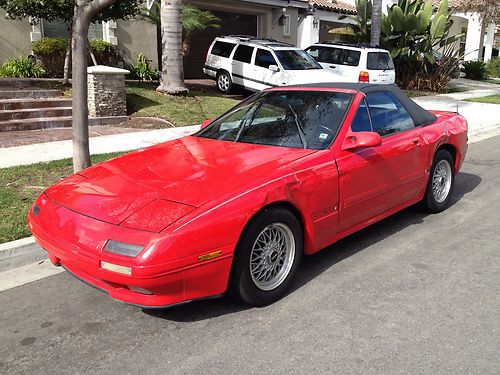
51,53
475,70
21,68
105,53
141,69
493,67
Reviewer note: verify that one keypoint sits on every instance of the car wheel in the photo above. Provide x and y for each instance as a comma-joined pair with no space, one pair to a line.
441,182
267,257
224,82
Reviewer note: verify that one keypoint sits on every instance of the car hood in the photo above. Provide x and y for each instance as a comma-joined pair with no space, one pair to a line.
167,181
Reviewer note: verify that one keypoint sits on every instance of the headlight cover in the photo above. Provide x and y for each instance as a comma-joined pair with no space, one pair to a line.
122,248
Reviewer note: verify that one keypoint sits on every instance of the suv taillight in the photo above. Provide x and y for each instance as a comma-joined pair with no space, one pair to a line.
364,77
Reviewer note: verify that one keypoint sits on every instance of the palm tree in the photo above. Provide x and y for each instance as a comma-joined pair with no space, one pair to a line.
172,77
376,22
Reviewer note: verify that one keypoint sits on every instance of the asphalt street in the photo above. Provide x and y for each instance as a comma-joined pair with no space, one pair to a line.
416,294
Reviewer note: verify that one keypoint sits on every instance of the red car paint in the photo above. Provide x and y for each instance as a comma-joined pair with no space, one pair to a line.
193,196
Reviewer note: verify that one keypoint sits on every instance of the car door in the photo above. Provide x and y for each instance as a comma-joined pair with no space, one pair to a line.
329,59
241,68
265,77
349,65
377,179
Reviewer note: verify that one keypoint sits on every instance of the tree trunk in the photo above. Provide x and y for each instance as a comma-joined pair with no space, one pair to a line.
67,57
376,22
85,10
172,75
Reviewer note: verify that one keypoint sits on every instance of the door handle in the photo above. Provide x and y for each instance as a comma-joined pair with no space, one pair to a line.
415,140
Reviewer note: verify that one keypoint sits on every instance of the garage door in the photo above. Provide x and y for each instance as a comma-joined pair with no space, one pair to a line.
231,24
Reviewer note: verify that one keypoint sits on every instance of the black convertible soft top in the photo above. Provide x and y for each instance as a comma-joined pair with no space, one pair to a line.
421,117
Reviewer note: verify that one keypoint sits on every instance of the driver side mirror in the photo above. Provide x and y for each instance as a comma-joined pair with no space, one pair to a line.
361,140
205,123
274,68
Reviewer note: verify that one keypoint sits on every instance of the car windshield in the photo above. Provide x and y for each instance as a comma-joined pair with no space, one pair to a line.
296,60
300,119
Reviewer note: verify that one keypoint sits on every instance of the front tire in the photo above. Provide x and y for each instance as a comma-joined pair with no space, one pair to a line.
224,82
441,183
267,257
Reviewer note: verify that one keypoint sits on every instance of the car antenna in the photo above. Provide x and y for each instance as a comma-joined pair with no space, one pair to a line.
457,108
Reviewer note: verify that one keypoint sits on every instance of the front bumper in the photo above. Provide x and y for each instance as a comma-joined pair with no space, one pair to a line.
75,242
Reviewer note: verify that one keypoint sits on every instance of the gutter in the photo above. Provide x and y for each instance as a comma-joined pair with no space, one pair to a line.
281,3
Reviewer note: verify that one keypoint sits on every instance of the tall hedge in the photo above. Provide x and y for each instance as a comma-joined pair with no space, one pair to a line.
51,52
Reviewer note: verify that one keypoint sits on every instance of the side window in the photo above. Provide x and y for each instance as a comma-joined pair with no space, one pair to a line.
388,114
264,58
314,52
361,122
350,57
222,49
243,54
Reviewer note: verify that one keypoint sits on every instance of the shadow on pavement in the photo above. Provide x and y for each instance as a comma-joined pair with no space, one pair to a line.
314,265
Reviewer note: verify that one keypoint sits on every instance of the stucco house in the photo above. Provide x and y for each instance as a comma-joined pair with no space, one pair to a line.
298,22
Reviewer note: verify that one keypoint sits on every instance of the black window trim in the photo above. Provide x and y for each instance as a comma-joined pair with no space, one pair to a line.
367,110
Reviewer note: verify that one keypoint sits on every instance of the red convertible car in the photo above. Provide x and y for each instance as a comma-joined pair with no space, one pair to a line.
234,207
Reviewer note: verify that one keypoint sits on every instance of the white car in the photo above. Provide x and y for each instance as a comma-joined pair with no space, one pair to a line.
257,64
355,63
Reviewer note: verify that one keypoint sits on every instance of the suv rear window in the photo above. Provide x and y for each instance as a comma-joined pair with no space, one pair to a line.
379,61
243,54
222,49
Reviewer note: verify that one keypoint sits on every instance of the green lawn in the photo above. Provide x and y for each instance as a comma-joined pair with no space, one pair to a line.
143,100
495,81
492,99
19,186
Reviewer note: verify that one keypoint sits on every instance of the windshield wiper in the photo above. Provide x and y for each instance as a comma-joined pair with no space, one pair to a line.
300,129
248,121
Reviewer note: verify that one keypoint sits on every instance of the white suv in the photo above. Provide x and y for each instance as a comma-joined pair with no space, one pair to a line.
257,64
354,63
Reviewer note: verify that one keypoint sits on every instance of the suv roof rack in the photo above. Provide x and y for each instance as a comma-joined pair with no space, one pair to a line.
256,40
358,45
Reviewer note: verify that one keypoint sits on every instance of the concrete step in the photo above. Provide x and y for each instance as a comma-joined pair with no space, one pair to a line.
29,93
54,122
35,113
10,104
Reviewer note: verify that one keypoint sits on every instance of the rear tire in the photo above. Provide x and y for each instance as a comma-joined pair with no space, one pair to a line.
224,82
267,257
441,183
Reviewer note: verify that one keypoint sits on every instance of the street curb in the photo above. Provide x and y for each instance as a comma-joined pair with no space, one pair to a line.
19,253
16,248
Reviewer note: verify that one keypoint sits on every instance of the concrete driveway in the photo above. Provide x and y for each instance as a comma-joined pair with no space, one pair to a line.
415,294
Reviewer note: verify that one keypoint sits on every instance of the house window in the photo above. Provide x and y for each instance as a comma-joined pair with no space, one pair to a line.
59,29
287,25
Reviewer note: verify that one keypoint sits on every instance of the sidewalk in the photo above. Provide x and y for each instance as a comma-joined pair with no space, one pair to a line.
41,152
482,117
